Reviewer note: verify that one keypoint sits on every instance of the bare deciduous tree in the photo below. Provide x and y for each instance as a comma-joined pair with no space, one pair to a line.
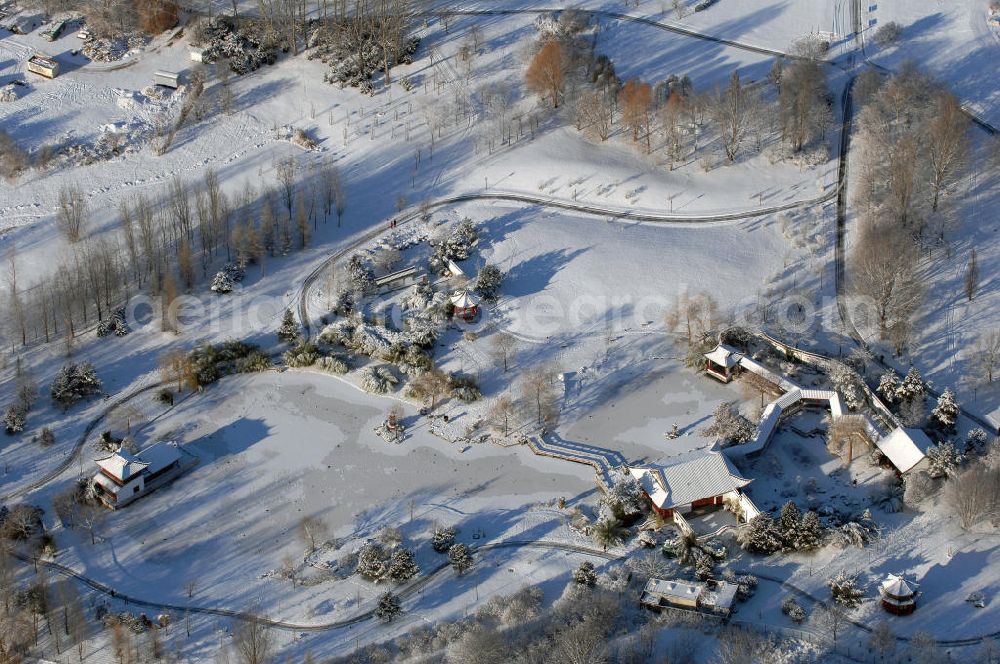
733,112
502,413
883,270
72,212
947,143
503,348
252,638
539,396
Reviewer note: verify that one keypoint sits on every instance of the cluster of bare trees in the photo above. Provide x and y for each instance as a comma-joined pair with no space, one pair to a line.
36,606
974,494
562,72
537,403
166,246
913,140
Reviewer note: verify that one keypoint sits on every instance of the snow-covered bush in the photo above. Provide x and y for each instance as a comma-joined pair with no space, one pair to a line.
410,359
424,328
849,384
360,274
943,460
355,53
377,380
373,562
456,246
419,297
793,610
75,382
916,487
46,438
8,93
303,355
15,417
226,279
857,532
585,574
625,498
844,588
975,440
746,586
114,324
760,536
945,414
388,608
245,49
488,282
335,364
402,566
464,388
912,386
515,609
254,362
730,427
704,566
460,558
888,33
289,331
888,386
442,538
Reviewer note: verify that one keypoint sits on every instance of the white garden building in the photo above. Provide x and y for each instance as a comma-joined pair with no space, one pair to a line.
123,477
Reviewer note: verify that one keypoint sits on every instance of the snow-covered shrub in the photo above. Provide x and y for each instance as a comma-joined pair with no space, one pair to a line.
857,532
377,380
456,246
303,140
226,279
585,574
402,566
114,324
46,438
211,362
760,536
303,355
289,331
888,386
844,588
943,460
75,382
464,388
254,362
704,566
737,336
419,297
388,608
975,440
912,386
110,49
793,610
849,384
245,49
515,609
442,538
888,33
423,329
945,414
625,498
916,487
373,562
730,427
8,93
488,282
460,558
355,53
129,621
15,417
360,274
746,586
335,364
410,359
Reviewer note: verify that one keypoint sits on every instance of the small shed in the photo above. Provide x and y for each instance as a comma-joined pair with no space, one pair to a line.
167,79
455,270
466,305
899,596
723,363
43,65
906,449
399,279
197,54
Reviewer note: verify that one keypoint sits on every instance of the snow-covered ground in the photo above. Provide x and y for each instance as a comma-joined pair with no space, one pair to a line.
584,293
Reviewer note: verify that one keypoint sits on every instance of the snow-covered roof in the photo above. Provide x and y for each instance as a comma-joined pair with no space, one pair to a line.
463,299
706,476
398,275
454,268
724,356
897,587
683,590
905,448
122,465
722,598
160,455
106,482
